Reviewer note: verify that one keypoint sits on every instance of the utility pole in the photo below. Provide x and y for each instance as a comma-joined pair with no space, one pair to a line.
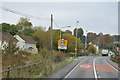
76,38
86,40
51,33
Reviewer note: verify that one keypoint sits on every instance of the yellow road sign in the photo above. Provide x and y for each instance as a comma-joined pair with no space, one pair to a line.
62,42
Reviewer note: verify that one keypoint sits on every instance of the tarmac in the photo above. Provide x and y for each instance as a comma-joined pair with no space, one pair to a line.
65,70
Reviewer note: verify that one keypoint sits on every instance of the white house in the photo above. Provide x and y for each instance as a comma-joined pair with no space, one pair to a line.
5,38
26,43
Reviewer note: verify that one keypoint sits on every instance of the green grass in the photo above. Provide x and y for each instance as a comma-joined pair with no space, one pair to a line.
98,54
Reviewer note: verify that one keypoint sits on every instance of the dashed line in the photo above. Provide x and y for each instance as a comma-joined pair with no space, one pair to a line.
98,76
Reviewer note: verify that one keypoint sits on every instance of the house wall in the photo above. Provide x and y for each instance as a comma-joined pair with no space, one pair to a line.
33,46
20,43
26,46
35,50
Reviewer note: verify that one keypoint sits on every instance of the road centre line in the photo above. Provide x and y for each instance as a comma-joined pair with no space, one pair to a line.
73,69
95,72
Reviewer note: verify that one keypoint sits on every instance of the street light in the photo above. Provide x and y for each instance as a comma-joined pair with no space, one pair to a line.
60,31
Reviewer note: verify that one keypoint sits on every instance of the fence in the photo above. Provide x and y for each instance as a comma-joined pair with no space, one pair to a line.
41,69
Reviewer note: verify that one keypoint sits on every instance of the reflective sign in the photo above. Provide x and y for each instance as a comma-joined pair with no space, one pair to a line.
62,44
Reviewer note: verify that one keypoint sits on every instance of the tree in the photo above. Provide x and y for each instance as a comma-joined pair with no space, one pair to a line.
103,41
72,42
91,37
42,38
80,32
12,29
27,31
91,49
68,31
24,23
5,27
80,35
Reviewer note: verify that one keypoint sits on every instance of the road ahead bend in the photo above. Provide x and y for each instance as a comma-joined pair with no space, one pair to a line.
93,67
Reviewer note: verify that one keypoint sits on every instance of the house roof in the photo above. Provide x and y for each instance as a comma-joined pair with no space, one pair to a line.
7,37
27,39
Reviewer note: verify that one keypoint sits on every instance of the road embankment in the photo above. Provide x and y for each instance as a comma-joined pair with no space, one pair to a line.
65,70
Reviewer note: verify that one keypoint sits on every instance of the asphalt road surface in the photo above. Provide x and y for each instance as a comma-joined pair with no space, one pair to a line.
96,68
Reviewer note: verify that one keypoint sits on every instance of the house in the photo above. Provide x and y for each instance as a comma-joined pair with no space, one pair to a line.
5,38
26,43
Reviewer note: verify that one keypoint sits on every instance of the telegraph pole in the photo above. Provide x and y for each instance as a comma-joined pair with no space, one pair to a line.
51,33
76,38
86,40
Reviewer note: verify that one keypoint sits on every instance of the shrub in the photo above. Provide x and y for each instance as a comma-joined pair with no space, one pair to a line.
59,56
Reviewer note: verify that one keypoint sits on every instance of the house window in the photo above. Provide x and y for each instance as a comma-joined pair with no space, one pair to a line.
30,48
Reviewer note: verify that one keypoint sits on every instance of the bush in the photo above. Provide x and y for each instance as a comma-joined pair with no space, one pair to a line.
116,58
72,54
59,56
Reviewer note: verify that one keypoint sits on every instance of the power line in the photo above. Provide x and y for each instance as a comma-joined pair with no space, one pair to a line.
20,13
26,15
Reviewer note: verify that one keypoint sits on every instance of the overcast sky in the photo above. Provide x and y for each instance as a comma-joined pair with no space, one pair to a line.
92,16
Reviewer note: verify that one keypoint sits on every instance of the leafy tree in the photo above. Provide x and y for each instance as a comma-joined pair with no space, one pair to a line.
24,23
68,31
80,32
72,42
103,41
42,37
5,27
91,37
13,30
27,31
91,49
80,35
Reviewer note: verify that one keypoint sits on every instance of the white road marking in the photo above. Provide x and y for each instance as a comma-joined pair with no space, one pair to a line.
72,70
98,76
111,66
85,66
95,72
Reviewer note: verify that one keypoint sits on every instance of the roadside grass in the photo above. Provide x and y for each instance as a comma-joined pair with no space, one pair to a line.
98,54
53,67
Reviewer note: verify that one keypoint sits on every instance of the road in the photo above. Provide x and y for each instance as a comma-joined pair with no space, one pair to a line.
96,68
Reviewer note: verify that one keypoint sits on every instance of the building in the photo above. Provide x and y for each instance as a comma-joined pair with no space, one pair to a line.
5,38
26,43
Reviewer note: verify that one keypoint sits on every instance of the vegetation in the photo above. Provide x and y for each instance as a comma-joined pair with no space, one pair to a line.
91,49
98,54
116,58
13,57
